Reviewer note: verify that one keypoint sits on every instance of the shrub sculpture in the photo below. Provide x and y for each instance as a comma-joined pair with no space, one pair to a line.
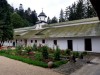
35,47
57,54
45,52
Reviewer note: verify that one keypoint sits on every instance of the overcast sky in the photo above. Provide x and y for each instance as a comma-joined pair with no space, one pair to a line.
50,7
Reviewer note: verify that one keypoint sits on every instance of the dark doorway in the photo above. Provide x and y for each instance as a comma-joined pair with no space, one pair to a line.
25,42
14,44
55,42
43,41
88,45
70,44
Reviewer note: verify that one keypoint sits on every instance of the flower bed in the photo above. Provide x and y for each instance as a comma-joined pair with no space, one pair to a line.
40,56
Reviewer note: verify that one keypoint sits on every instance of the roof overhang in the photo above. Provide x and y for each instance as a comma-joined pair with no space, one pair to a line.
96,5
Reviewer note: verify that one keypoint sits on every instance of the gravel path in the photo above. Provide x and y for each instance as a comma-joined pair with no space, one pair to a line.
13,67
90,69
69,68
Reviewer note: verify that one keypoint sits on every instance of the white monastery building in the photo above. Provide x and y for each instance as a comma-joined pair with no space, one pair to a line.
78,35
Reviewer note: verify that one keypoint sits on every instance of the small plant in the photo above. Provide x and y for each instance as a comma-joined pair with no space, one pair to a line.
75,54
84,53
81,56
19,47
45,52
38,56
57,54
2,51
59,63
8,51
28,50
19,50
63,52
35,47
68,52
73,58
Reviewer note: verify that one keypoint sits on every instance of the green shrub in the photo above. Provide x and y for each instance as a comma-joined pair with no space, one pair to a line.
8,51
28,49
2,51
59,63
19,47
68,52
19,50
63,52
84,53
38,56
50,50
75,54
81,55
35,47
45,52
57,54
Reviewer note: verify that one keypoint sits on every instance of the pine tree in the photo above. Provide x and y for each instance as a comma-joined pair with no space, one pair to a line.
90,12
18,22
49,20
54,20
61,18
72,12
80,10
5,24
34,17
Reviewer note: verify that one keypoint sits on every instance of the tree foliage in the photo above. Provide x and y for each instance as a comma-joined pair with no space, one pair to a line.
17,21
54,20
80,10
61,18
6,29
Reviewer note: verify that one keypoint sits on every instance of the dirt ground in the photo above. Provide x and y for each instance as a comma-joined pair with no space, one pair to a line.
13,67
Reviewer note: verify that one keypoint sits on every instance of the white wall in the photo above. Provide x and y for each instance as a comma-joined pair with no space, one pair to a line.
6,43
78,43
96,44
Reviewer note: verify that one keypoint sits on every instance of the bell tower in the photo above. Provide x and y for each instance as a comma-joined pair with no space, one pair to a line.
42,20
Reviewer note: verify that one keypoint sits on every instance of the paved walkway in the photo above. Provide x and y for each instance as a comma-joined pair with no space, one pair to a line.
13,67
90,69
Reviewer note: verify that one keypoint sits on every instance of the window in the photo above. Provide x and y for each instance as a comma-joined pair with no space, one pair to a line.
35,41
31,41
21,40
43,41
55,42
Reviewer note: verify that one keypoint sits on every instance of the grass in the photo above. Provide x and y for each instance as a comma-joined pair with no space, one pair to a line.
26,60
59,63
